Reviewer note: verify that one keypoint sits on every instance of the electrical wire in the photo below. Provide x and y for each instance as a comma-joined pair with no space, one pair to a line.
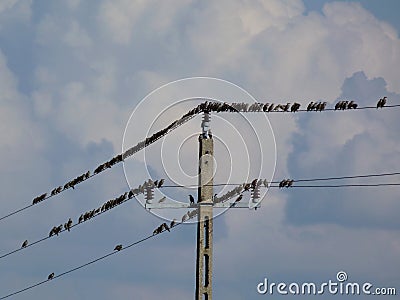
235,184
186,119
63,230
296,180
314,111
153,138
85,265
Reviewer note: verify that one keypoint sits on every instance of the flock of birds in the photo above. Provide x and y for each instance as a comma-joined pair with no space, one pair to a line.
237,191
245,187
106,206
207,106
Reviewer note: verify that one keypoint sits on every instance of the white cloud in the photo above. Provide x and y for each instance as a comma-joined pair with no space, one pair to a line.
88,73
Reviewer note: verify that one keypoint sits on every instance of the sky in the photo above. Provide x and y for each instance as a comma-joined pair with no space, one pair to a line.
80,81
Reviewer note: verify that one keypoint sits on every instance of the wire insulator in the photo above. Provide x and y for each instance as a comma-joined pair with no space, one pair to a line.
255,193
149,193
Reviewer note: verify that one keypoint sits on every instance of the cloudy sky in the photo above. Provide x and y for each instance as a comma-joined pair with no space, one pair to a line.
72,73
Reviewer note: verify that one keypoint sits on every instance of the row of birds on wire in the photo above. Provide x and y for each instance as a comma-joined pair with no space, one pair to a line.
141,189
272,107
206,106
253,187
163,227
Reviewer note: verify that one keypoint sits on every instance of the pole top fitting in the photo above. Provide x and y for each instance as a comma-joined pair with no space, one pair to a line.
205,124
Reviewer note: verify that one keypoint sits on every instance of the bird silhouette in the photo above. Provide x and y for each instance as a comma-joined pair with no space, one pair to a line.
185,217
239,198
118,248
254,183
24,244
173,223
191,200
160,183
265,182
165,226
51,276
381,103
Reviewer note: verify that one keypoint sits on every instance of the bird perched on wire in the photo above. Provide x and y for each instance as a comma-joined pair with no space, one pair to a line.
185,217
295,107
239,198
265,182
254,183
191,199
24,244
118,247
173,223
283,183
160,183
381,103
165,226
51,276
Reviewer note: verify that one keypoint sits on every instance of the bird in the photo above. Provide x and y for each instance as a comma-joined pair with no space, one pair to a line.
118,247
191,200
239,198
51,276
381,103
289,182
160,183
271,107
173,223
165,226
310,106
24,244
286,107
295,107
162,199
254,183
185,217
69,224
351,105
282,183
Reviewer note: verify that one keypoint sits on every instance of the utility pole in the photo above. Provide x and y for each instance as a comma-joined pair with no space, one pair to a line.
204,210
205,213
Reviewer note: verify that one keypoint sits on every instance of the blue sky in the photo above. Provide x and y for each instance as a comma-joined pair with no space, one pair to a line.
73,72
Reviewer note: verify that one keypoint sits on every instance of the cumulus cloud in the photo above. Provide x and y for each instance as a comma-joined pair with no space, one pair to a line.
344,143
92,62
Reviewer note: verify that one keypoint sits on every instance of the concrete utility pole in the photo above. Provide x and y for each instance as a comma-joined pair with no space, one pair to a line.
205,204
205,213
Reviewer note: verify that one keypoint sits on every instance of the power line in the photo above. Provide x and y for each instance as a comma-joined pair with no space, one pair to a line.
63,230
313,111
130,151
295,180
124,198
86,264
346,185
236,184
205,106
